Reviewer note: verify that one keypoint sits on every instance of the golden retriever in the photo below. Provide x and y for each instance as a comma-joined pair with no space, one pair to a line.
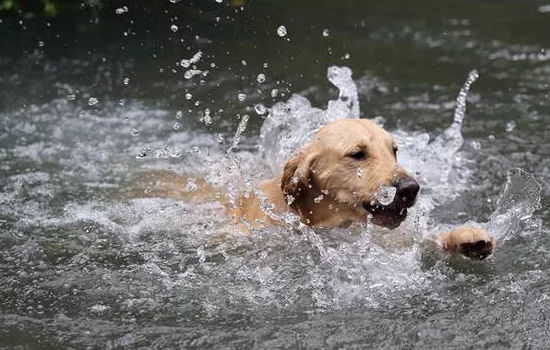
335,180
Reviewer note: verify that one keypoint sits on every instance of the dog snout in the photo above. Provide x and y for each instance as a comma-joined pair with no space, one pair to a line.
407,190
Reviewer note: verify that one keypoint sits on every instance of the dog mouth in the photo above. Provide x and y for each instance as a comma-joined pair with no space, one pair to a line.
388,216
389,205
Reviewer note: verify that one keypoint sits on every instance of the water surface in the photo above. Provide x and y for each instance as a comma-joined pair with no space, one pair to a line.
85,104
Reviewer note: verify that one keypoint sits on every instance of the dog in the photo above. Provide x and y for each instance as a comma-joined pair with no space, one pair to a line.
334,181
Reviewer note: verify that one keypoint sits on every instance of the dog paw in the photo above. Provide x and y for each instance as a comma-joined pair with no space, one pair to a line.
471,241
477,250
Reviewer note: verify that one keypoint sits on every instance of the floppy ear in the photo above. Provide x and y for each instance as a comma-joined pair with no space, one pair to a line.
296,174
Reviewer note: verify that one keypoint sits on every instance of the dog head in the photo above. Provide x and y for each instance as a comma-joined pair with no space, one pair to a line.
339,177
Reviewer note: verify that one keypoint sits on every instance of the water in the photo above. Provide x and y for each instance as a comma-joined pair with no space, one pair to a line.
291,124
88,260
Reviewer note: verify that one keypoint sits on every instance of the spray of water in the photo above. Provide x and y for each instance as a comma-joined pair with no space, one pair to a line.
440,162
451,140
519,198
291,124
144,251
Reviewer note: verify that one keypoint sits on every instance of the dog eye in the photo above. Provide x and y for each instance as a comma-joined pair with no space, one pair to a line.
360,155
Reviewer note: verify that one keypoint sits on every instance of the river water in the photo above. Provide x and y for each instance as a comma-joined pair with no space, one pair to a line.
88,260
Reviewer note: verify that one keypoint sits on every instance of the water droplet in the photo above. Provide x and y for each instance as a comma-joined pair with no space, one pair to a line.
134,132
347,56
261,78
219,1
274,93
126,81
174,1
290,199
476,145
260,109
40,43
385,194
188,96
240,129
243,62
71,97
176,126
142,155
326,33
510,126
201,255
119,11
318,199
491,137
206,119
174,28
190,73
92,101
241,96
281,31
191,185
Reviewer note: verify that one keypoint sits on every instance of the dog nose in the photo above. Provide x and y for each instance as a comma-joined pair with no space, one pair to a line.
407,189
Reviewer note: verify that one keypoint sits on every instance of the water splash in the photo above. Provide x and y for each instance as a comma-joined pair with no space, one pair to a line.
437,163
171,251
440,162
347,104
291,124
518,200
451,139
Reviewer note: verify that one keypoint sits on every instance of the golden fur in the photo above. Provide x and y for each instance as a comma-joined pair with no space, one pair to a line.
332,181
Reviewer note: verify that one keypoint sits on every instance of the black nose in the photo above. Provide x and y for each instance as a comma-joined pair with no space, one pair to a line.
407,189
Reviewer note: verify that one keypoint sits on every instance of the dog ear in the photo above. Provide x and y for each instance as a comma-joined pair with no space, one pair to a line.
296,174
